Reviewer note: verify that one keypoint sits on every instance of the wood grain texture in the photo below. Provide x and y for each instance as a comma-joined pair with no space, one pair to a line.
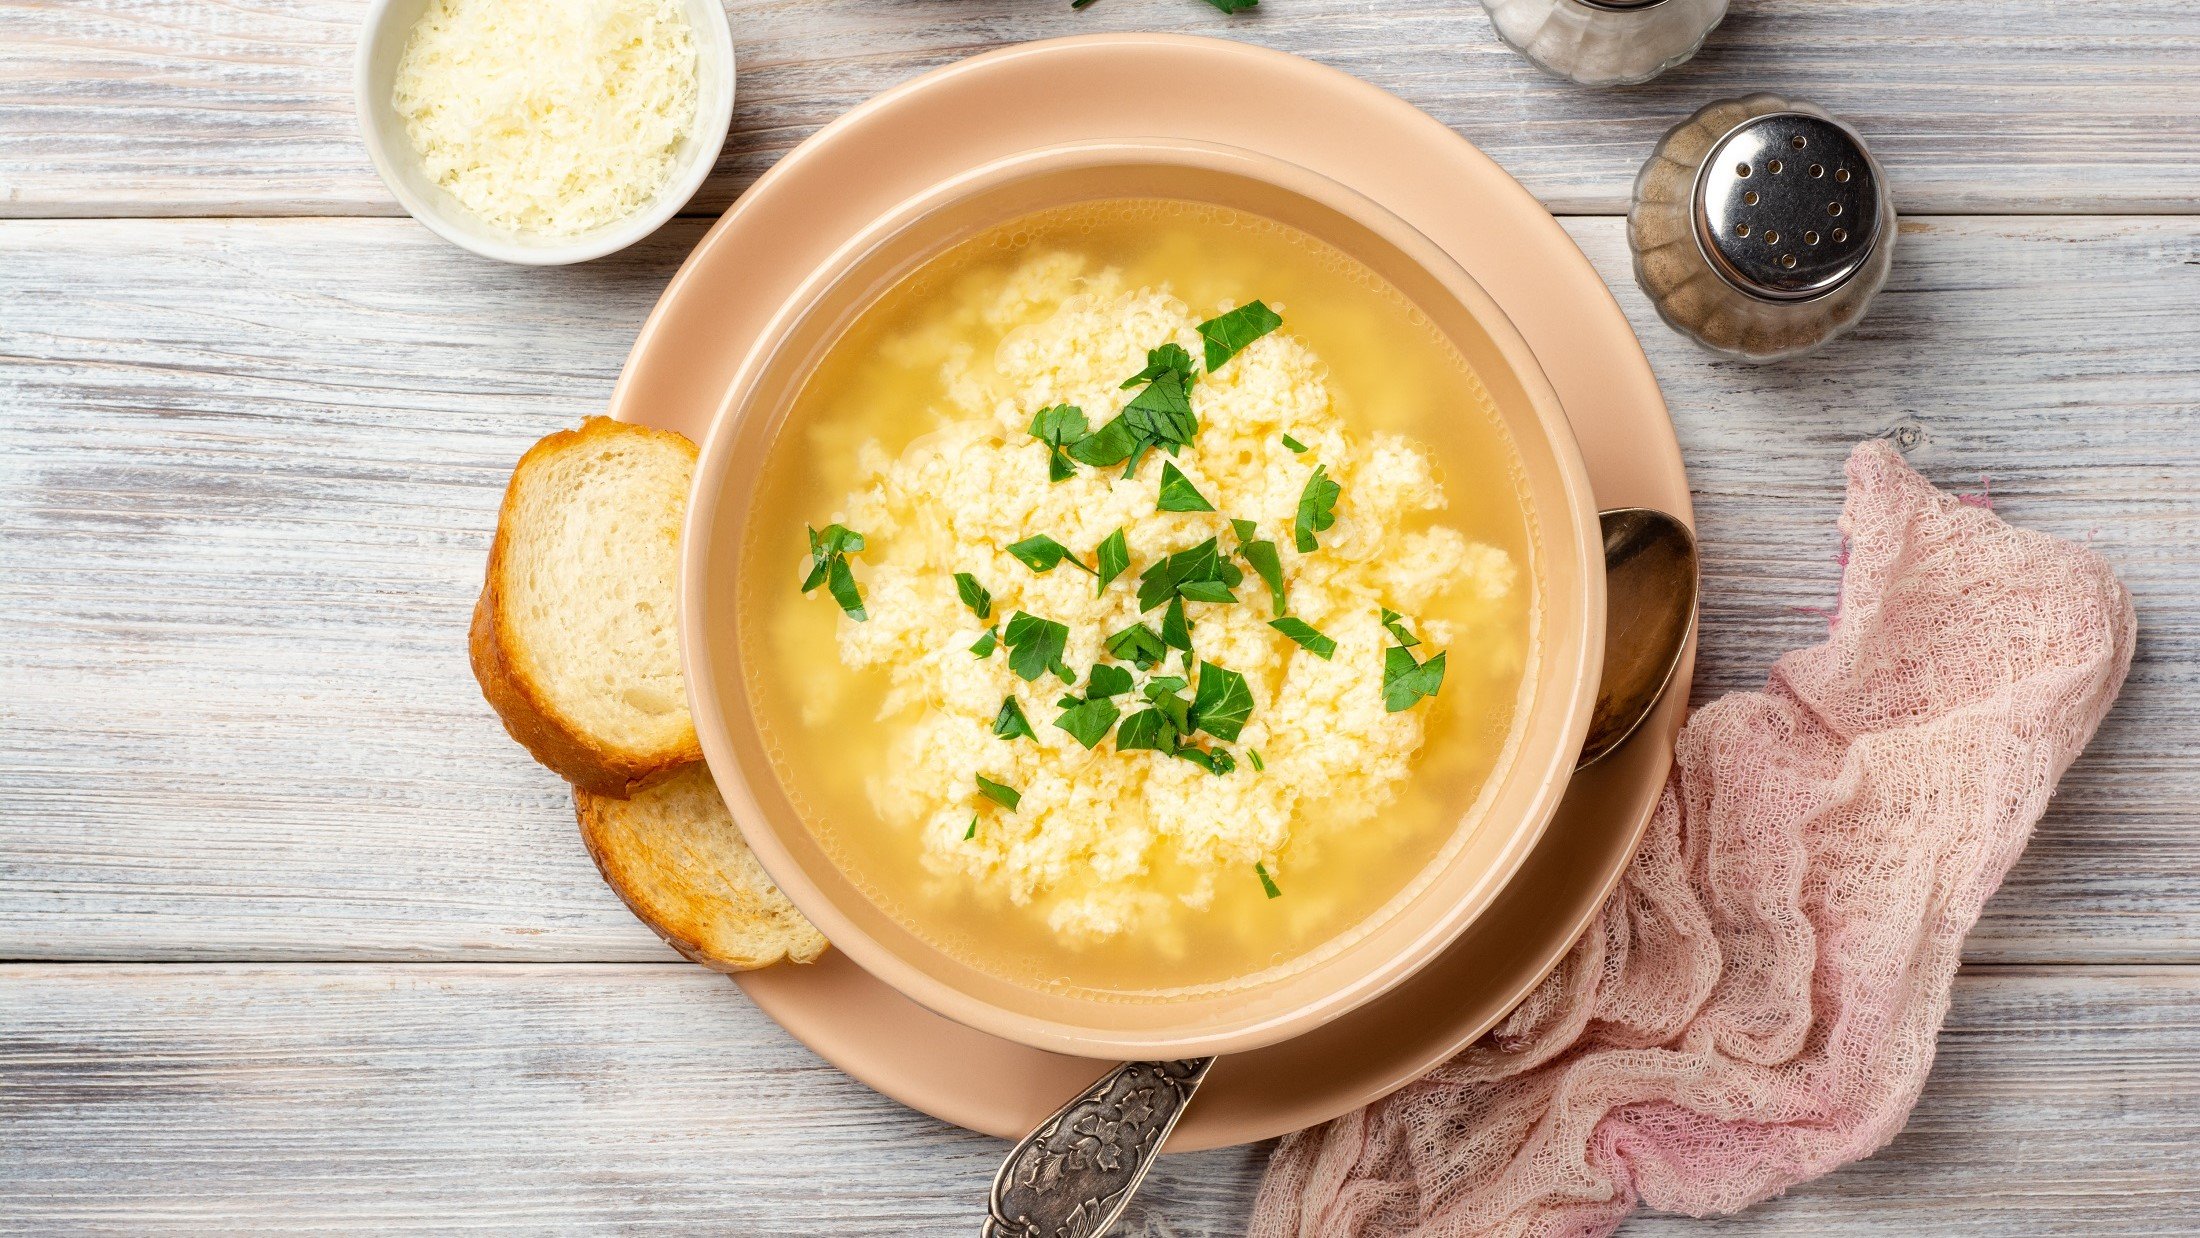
174,107
249,469
607,1097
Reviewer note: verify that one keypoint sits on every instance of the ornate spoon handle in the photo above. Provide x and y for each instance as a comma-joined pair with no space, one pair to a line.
1074,1175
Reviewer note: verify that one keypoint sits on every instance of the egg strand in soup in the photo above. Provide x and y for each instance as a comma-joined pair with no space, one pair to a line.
1167,609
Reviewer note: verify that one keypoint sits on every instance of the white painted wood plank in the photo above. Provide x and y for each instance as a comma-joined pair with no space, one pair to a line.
248,468
170,107
600,1097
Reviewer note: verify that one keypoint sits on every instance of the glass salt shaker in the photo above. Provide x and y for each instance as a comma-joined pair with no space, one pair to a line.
1761,227
1605,42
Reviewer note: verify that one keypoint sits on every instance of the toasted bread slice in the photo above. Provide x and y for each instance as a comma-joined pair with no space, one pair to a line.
573,638
674,856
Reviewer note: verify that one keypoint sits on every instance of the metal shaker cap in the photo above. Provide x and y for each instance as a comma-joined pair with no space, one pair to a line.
1787,206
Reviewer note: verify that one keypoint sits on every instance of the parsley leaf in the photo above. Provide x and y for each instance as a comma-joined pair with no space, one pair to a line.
1088,720
1174,708
974,595
1010,723
1035,645
1138,645
1223,703
1317,508
829,553
1007,797
1169,358
972,832
1405,681
1227,6
1297,448
1196,572
1178,494
1146,729
1160,416
1396,623
1110,444
1106,681
1259,766
1267,883
1041,553
1307,637
1227,334
1216,761
1058,426
1261,555
983,646
1176,630
1114,556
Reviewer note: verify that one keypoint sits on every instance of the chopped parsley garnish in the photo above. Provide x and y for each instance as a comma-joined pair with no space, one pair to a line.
829,553
1110,444
1395,622
1198,572
1041,553
974,595
1007,797
1147,729
1176,630
983,646
1267,883
1259,766
1114,556
972,832
1406,681
1297,448
1138,645
1167,359
1059,426
1307,636
1035,646
1175,709
1089,719
1227,334
1178,494
1227,6
1010,723
1105,680
1317,508
1216,761
1160,416
1223,703
1261,555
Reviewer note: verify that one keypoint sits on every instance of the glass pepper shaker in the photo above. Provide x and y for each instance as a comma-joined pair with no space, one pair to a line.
1761,227
1605,42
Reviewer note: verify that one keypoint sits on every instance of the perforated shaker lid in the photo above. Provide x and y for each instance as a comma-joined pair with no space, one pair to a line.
1787,206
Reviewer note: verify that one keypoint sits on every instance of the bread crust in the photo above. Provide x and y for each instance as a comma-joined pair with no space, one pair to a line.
517,700
672,908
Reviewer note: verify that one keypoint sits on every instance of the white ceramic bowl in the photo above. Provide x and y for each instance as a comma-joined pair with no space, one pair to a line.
374,73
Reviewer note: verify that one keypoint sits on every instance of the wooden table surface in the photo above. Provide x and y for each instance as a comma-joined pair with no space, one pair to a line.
294,937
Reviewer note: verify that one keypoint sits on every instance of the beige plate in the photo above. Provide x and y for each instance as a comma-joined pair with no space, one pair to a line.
1122,86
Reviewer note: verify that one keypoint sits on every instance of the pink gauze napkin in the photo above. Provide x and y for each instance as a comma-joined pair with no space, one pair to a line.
1757,1002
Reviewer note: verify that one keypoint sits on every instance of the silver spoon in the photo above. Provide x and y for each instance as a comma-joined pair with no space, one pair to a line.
1074,1175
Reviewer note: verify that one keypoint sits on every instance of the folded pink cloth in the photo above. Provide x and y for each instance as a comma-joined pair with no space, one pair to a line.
1757,1003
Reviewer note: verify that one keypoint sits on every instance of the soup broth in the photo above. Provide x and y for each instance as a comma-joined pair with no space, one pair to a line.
1276,831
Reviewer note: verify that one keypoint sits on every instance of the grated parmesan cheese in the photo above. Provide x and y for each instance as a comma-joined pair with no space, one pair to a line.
550,117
